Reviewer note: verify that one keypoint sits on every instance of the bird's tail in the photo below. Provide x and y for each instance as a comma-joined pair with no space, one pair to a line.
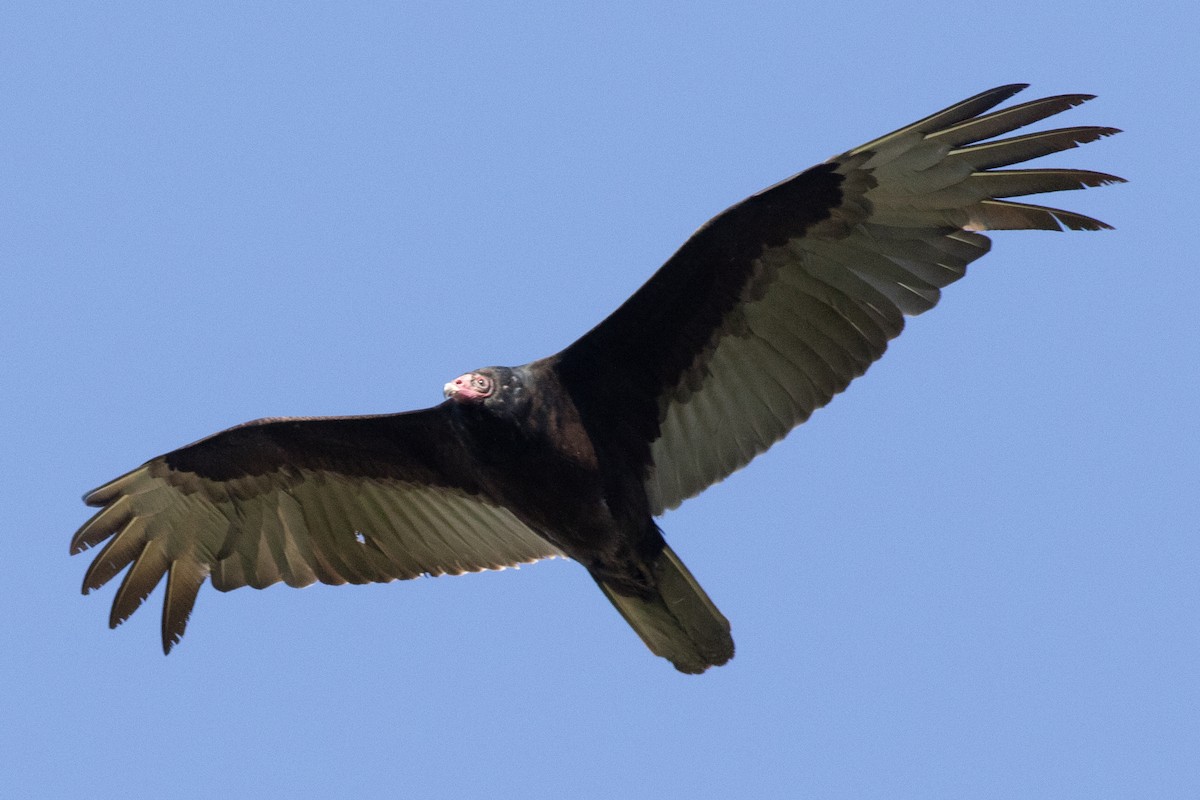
678,621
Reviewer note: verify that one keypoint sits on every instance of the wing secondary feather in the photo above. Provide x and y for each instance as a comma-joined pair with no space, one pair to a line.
337,500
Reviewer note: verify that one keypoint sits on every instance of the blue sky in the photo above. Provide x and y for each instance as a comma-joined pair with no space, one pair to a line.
973,575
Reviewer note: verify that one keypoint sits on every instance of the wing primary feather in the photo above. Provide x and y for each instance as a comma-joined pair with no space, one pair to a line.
184,579
997,215
106,493
1018,182
119,553
1002,153
139,582
1002,183
1008,119
971,107
103,524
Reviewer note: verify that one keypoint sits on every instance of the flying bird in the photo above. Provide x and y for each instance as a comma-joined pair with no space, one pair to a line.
762,316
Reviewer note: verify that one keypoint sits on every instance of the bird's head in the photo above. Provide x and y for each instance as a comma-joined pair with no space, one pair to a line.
494,387
473,387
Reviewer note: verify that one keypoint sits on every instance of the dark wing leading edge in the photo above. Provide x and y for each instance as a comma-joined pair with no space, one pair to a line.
778,303
336,500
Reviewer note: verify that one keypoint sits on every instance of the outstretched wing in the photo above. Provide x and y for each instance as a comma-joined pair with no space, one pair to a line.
778,303
336,500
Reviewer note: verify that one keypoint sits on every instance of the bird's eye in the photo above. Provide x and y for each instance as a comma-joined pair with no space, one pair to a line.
481,383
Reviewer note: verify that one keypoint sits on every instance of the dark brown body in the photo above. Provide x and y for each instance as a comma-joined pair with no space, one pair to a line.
535,455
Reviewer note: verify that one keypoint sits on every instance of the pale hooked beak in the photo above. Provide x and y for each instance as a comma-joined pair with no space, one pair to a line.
449,389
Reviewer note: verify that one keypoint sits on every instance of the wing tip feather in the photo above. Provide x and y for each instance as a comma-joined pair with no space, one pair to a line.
104,523
184,579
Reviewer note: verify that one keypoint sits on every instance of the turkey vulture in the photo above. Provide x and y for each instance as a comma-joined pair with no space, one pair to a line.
761,317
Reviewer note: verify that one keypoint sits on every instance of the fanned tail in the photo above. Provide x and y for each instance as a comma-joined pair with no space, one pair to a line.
679,622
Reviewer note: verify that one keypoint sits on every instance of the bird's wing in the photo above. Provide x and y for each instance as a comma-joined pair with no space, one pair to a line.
336,500
774,306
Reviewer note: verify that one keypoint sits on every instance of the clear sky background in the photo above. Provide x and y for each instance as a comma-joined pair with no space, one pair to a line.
974,575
